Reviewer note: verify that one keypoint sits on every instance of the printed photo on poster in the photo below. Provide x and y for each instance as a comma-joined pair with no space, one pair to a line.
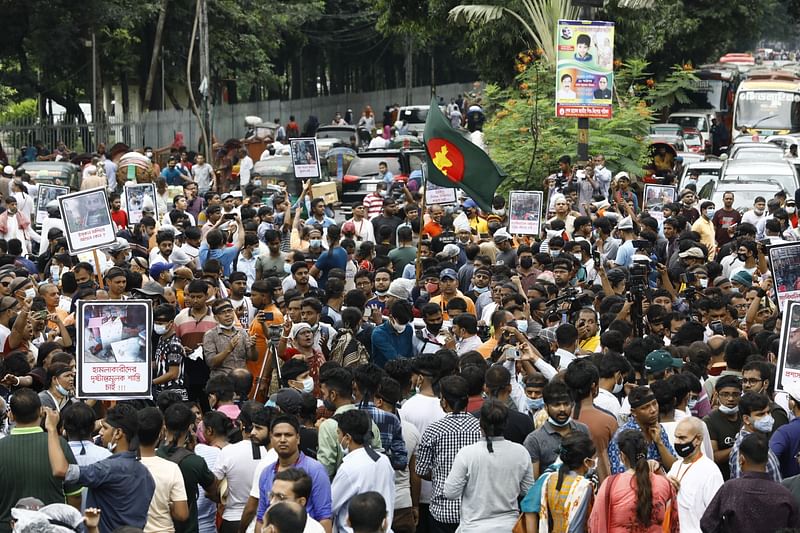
113,349
87,219
585,69
525,212
789,352
656,197
436,194
135,196
785,267
46,194
305,158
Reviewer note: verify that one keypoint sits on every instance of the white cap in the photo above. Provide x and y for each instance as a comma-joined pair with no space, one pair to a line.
8,169
625,223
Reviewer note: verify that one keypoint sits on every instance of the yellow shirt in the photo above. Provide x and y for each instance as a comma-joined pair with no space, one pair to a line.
479,225
439,300
487,347
592,344
705,228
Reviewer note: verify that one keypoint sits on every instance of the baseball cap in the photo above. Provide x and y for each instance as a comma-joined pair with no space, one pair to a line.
288,400
469,203
660,360
501,235
448,273
743,277
694,251
151,288
450,250
226,195
622,175
625,223
159,268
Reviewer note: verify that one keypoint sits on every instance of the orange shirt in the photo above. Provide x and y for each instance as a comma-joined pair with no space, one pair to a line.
261,341
432,228
487,347
442,303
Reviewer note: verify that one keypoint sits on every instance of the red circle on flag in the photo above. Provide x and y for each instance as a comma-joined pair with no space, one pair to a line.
446,157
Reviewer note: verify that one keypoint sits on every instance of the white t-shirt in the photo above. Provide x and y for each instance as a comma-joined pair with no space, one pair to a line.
236,464
422,411
699,482
402,478
169,488
607,401
266,460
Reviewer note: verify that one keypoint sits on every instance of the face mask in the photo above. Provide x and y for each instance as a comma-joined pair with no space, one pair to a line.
315,243
561,424
742,257
724,409
434,328
617,388
328,405
480,290
287,268
431,287
522,326
592,468
685,450
159,329
128,256
148,154
343,448
499,212
691,403
758,212
704,282
526,262
308,385
61,390
764,424
30,293
790,210
710,213
399,328
226,328
579,257
256,251
534,404
555,253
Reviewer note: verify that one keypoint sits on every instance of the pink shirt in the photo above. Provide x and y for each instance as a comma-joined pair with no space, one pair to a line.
616,512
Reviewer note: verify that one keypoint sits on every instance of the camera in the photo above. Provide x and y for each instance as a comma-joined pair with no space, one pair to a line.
716,327
688,277
639,273
640,244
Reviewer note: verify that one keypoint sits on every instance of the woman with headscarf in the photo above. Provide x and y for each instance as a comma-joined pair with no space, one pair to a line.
301,337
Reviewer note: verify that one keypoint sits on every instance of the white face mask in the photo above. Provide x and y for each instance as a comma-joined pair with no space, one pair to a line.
308,385
30,293
617,388
399,328
159,329
790,210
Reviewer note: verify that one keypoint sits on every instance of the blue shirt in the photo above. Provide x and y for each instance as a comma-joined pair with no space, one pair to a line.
625,254
387,344
172,175
225,256
319,505
328,260
121,487
615,455
785,444
391,434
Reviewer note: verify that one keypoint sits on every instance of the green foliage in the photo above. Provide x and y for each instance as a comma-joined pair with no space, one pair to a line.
528,107
674,89
26,109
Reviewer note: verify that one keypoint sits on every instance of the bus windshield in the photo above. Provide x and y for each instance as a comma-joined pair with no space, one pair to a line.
768,110
710,94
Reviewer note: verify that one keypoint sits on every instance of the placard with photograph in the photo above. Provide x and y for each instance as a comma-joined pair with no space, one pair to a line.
789,351
656,197
135,195
87,219
45,194
305,158
784,263
113,349
525,212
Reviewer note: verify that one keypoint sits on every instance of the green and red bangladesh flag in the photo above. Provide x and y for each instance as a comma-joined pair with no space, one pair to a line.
454,161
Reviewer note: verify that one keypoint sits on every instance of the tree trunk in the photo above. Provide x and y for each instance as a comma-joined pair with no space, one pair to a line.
126,107
151,75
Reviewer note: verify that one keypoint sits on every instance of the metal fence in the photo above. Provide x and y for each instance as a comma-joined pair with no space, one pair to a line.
158,128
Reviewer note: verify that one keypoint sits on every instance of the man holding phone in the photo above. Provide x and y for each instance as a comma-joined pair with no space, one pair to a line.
262,296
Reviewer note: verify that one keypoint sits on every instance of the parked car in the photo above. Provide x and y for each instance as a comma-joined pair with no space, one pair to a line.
784,141
362,174
414,117
744,192
709,171
697,119
666,130
54,173
694,141
335,136
756,152
274,169
781,172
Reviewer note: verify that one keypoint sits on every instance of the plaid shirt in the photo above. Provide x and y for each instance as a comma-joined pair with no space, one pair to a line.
773,466
391,434
615,455
439,445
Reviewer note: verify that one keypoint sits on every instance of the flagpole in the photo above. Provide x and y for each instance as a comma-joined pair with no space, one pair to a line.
418,263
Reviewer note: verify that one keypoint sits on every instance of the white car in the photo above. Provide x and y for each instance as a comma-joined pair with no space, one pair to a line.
709,171
697,119
780,172
744,192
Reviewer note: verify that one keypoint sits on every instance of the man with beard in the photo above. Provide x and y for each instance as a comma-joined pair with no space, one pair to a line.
481,279
388,218
256,420
544,443
588,332
562,273
430,338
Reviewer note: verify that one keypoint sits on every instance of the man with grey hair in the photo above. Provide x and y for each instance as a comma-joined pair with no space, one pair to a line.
697,478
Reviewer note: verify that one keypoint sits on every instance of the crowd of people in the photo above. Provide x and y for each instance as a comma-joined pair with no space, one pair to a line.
408,368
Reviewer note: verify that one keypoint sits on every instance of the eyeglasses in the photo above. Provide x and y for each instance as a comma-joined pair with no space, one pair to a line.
5,283
751,381
730,395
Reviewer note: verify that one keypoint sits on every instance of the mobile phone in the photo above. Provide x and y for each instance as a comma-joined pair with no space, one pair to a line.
716,327
596,258
688,277
266,316
511,353
229,216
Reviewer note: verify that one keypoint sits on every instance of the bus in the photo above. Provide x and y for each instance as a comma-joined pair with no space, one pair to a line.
714,91
767,103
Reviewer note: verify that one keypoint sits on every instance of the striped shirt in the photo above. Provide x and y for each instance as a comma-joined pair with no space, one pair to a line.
191,332
373,203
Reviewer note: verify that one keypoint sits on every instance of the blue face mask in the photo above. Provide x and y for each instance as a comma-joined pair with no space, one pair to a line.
480,290
535,404
315,243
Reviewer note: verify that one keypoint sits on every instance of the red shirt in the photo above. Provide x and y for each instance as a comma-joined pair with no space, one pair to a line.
120,218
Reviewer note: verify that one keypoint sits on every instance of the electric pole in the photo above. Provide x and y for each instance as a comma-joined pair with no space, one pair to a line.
205,77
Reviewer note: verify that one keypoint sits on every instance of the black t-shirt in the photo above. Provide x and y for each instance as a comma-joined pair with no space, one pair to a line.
391,222
722,430
518,425
308,441
443,239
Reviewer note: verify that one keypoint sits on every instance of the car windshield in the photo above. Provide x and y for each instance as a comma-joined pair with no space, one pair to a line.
415,116
787,181
742,199
757,155
695,123
368,166
768,110
268,167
